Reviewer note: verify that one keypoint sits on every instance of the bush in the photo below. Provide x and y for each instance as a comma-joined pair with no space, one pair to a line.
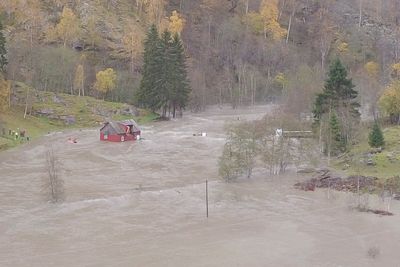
373,252
376,138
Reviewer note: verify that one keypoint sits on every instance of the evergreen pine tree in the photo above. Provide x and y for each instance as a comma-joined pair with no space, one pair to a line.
163,84
144,97
179,95
338,91
3,51
376,138
336,142
338,97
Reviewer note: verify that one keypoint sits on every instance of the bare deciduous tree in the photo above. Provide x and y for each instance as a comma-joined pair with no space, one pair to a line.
53,184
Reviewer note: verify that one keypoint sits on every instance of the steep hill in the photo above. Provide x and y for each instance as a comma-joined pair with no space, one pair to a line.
231,51
47,111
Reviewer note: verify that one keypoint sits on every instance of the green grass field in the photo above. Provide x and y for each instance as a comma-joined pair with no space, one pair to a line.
386,163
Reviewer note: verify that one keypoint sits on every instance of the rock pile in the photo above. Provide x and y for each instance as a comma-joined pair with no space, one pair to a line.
350,184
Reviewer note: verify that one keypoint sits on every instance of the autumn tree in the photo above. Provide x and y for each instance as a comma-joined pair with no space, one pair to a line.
389,102
68,29
3,51
269,13
266,20
372,69
395,71
5,87
176,23
105,81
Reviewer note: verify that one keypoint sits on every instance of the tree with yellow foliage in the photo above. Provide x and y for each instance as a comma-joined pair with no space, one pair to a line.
67,29
105,81
176,23
269,13
343,47
266,20
5,87
372,69
395,70
390,101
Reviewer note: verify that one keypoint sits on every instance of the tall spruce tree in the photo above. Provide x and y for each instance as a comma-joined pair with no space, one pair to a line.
144,97
338,97
163,84
3,51
180,84
338,92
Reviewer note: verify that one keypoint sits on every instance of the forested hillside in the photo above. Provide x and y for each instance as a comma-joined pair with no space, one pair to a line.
239,52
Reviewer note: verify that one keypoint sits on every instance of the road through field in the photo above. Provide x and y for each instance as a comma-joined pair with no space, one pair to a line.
142,204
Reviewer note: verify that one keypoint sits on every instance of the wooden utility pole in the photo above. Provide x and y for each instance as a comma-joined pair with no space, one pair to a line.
207,197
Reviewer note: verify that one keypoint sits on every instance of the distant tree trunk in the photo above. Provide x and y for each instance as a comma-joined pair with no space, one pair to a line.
132,54
290,22
281,9
83,86
26,102
220,96
9,93
360,16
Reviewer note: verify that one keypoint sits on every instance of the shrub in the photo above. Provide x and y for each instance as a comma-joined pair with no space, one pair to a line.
376,138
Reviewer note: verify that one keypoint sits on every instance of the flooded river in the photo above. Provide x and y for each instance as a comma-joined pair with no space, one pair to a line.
143,204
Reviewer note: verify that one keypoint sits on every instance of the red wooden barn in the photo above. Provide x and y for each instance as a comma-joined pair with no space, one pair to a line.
120,131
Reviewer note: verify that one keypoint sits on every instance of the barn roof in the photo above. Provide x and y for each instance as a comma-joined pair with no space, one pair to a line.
133,123
119,129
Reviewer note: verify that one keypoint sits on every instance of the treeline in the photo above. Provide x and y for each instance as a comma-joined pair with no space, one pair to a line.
240,52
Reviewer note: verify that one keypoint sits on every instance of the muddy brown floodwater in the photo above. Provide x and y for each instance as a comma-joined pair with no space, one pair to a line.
142,204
